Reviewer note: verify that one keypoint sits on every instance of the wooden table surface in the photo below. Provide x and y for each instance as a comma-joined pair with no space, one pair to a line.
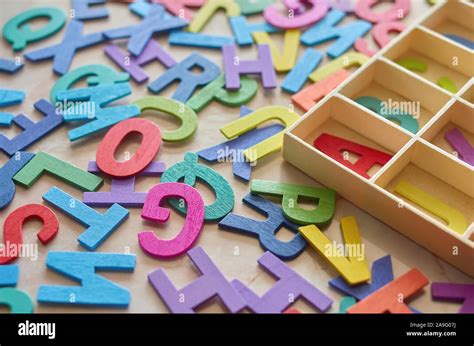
37,79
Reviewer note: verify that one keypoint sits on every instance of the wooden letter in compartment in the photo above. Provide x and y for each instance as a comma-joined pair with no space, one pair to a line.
406,120
439,190
335,147
392,93
449,22
464,149
453,132
456,221
448,65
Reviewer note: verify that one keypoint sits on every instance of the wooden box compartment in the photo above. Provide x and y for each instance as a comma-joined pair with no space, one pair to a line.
390,84
417,163
428,169
352,122
443,58
419,159
468,93
459,115
455,18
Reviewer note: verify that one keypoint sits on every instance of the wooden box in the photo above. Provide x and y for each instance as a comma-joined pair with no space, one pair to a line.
423,158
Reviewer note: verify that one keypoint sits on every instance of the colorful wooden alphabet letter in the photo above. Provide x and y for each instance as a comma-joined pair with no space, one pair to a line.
10,66
195,39
121,190
209,9
100,226
350,264
453,217
192,39
95,75
18,33
413,64
295,17
9,275
63,53
189,80
289,287
398,11
149,146
6,118
88,104
461,40
381,35
407,121
334,147
447,84
233,149
286,60
94,290
464,149
13,227
152,211
382,274
345,304
326,201
180,7
296,78
17,301
83,11
266,230
312,94
210,284
243,30
216,91
233,67
463,293
292,311
32,131
250,122
154,21
143,8
133,65
9,97
184,113
390,298
345,61
190,170
343,5
325,30
7,172
44,163
249,7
